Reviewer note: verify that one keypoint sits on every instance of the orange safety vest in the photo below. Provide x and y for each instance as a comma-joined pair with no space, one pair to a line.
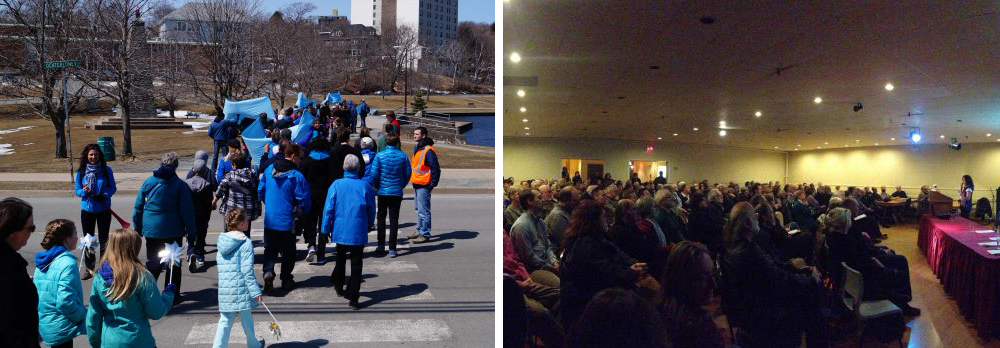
421,173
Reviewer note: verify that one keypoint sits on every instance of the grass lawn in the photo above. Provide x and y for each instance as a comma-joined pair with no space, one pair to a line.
34,149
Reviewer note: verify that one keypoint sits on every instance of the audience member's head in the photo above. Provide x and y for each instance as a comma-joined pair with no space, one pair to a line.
742,223
838,220
851,204
617,318
587,220
645,206
170,159
529,200
687,275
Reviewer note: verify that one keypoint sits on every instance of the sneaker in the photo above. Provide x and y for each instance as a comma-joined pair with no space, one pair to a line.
201,261
262,344
311,255
288,285
380,249
355,305
192,266
420,239
268,284
339,291
87,275
413,236
392,254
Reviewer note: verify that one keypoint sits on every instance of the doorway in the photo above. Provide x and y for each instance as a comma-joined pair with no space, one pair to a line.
587,167
648,170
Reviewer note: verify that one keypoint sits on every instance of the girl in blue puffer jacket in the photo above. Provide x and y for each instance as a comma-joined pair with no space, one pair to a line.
238,288
61,314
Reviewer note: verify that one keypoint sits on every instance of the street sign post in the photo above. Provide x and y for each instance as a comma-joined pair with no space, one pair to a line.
69,142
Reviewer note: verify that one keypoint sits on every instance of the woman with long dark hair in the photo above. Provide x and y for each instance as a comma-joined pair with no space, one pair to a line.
95,184
965,193
592,263
18,295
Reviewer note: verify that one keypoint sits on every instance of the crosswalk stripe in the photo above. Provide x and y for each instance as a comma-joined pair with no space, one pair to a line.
330,248
332,331
326,295
368,267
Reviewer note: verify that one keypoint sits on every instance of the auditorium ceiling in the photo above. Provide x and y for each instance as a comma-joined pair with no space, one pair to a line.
652,69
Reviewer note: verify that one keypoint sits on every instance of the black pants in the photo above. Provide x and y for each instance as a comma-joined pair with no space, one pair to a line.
153,247
279,242
68,344
892,282
390,205
354,285
309,225
201,222
103,222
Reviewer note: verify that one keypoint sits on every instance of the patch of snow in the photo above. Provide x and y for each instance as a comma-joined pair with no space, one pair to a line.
13,130
199,127
6,149
28,144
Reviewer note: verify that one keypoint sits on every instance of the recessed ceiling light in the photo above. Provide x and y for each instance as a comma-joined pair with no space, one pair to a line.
527,128
826,143
758,114
796,149
520,93
876,144
889,87
893,139
722,123
775,147
675,134
942,136
527,133
722,133
856,140
524,120
695,129
523,109
998,139
515,57
797,145
659,138
817,100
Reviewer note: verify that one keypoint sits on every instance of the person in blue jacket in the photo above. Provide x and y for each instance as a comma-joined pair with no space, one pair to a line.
285,193
389,174
353,111
363,111
225,166
61,313
124,297
95,184
349,210
220,130
164,214
238,289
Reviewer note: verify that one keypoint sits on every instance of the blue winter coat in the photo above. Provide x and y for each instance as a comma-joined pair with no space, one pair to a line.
349,210
163,207
282,189
219,131
100,199
61,313
225,166
237,286
389,172
368,156
125,323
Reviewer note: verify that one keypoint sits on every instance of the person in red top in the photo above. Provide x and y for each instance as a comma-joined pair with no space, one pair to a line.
541,294
390,117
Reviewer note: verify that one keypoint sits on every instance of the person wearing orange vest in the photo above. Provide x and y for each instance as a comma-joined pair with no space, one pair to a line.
426,173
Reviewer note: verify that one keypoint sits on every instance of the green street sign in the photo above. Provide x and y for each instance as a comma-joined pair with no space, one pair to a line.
62,65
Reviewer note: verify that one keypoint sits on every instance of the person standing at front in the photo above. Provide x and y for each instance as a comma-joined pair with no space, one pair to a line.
285,193
349,210
426,173
966,195
164,214
95,184
389,174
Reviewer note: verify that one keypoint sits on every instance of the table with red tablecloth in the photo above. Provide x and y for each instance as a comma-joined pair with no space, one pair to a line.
966,270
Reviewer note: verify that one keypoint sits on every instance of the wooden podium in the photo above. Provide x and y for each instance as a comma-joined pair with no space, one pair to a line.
940,204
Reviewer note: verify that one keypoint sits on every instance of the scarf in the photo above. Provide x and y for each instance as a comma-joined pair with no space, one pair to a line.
90,178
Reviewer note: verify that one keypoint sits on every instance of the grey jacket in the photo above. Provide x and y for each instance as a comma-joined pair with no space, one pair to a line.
531,241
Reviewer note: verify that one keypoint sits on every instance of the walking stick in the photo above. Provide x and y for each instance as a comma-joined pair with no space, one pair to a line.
275,328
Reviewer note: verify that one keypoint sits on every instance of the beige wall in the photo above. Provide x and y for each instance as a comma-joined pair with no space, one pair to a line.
908,165
542,158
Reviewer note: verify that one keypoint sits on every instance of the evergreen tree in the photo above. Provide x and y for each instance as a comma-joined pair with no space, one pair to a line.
418,104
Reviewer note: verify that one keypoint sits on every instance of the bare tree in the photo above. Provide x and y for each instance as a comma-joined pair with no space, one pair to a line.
452,54
45,31
169,80
116,53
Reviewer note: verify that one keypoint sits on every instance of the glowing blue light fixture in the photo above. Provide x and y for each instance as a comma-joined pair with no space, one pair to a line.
915,136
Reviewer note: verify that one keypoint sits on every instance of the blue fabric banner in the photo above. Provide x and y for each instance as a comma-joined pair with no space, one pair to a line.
237,111
304,102
333,98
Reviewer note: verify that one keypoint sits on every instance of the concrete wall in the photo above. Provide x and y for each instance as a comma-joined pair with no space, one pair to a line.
908,165
542,158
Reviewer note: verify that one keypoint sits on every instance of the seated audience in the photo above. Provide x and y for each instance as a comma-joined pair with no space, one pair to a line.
627,235
707,220
771,306
540,290
513,210
886,276
558,219
899,192
666,215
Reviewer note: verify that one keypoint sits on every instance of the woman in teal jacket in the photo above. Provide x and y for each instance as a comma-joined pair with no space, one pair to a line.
349,210
124,297
61,312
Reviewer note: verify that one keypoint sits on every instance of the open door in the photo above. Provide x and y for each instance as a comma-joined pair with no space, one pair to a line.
586,167
648,170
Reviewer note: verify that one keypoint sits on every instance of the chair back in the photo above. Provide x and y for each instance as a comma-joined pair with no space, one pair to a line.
852,291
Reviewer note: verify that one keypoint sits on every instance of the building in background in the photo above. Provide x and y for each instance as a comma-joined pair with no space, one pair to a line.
435,21
334,21
350,44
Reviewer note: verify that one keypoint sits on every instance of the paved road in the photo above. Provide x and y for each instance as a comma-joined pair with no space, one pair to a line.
438,294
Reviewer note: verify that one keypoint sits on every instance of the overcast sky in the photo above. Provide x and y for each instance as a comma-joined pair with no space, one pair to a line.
468,10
